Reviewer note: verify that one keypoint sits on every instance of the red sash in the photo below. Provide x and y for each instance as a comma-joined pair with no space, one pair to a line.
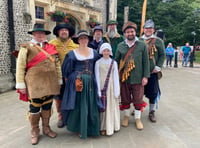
41,56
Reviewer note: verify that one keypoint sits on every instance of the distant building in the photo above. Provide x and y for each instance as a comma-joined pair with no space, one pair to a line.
19,16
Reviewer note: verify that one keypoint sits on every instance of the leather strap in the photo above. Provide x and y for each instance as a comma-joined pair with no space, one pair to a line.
108,77
129,51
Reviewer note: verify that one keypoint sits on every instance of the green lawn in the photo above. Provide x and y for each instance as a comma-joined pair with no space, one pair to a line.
197,57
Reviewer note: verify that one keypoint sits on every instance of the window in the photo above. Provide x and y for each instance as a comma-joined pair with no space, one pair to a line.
39,12
40,24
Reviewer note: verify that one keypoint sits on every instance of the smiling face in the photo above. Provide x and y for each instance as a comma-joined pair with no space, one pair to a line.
148,31
98,34
106,53
39,36
63,34
83,40
130,34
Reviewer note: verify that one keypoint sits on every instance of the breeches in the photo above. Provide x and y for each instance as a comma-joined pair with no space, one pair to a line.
37,103
132,93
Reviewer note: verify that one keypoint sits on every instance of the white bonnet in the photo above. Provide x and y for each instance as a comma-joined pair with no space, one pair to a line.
105,46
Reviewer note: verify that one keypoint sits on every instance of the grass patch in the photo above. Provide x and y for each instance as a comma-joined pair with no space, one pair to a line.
197,57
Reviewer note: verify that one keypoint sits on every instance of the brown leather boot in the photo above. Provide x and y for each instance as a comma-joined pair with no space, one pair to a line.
34,120
46,114
138,121
60,123
152,116
125,121
138,124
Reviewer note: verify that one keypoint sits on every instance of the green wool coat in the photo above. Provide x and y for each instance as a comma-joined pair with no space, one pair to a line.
141,59
159,55
113,42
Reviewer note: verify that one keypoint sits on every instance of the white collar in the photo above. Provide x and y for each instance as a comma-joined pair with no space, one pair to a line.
146,38
130,45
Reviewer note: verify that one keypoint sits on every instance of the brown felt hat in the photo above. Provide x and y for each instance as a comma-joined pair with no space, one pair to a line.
129,24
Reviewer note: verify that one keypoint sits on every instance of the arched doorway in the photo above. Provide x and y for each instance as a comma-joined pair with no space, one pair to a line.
75,23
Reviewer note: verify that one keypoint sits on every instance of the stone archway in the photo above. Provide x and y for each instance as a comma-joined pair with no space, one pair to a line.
75,23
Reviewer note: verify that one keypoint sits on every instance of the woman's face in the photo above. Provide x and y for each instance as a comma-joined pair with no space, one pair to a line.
83,40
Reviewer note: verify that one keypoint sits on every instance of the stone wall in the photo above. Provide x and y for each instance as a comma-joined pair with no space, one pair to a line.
21,26
7,81
6,78
101,4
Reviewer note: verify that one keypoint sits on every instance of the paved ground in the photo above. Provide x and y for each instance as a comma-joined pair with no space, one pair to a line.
178,123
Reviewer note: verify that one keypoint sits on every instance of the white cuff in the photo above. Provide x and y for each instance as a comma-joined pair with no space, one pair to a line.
99,93
60,82
157,68
20,85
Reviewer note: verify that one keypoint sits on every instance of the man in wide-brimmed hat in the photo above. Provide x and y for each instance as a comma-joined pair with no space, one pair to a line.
63,44
156,50
38,76
133,61
112,36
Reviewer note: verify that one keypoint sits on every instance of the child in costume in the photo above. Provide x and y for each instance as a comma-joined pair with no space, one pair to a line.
110,118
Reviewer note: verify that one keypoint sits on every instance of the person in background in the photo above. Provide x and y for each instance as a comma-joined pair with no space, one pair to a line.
133,61
112,36
156,50
38,74
186,53
110,118
80,103
97,38
169,51
63,44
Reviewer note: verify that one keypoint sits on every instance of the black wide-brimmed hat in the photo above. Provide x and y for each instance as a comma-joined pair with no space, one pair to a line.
39,27
64,25
82,33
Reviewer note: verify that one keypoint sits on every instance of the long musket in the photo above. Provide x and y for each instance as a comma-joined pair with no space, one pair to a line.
143,16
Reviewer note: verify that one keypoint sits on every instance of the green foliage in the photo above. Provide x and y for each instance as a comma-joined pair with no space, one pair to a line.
58,16
176,18
197,56
92,23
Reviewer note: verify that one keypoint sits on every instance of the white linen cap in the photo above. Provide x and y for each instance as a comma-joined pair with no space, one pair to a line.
105,46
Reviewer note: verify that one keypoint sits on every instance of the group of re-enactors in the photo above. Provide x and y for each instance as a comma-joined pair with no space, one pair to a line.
124,67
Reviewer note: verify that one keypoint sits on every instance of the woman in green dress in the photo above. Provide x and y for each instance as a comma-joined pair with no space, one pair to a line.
81,108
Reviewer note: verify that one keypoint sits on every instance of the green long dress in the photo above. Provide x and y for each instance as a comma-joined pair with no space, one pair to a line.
81,109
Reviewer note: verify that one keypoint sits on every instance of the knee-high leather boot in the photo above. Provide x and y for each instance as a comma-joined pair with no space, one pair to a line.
34,120
46,114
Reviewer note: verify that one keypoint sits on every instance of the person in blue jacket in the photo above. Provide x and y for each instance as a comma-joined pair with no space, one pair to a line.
186,53
169,54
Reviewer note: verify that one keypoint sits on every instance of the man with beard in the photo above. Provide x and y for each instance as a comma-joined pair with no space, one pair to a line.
63,44
112,36
133,61
156,50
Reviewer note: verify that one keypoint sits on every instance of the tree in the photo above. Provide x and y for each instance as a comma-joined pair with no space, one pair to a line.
175,17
